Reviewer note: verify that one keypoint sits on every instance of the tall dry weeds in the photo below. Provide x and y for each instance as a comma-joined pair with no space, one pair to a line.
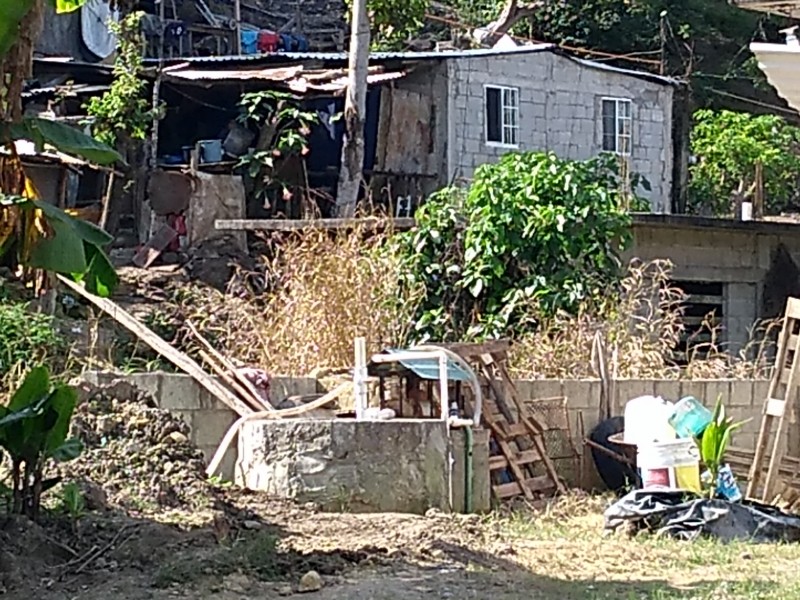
323,289
642,328
326,289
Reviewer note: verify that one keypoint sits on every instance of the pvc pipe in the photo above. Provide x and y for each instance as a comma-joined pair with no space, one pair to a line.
469,481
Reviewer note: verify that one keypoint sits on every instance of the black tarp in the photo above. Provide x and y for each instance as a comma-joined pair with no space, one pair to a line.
686,515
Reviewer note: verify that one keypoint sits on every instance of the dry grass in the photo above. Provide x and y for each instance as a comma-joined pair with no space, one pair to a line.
321,289
566,543
640,330
324,289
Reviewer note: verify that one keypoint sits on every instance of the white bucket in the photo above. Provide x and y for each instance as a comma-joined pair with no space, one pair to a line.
647,420
674,464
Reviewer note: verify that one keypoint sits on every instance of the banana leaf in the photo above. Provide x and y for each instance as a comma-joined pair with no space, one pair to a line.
64,138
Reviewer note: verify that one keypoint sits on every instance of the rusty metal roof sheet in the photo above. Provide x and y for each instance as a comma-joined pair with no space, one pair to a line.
296,78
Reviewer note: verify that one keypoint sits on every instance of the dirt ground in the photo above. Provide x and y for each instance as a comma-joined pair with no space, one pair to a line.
251,547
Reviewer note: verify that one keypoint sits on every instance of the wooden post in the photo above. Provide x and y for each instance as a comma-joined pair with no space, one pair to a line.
355,106
237,15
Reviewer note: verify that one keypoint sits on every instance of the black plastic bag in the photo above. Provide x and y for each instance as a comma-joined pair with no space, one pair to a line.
686,515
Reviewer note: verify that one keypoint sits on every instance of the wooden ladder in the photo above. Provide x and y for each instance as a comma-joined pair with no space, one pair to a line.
780,398
520,440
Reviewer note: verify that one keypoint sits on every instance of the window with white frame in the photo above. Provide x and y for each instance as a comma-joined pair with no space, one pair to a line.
617,126
502,115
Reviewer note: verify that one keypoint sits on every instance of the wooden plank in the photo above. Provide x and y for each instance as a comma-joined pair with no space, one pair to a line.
154,246
532,485
522,458
300,224
466,350
514,467
149,337
250,392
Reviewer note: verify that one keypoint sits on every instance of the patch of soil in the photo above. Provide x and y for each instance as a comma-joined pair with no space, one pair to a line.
138,454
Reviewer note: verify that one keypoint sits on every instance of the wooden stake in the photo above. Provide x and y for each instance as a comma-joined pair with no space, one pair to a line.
251,393
152,339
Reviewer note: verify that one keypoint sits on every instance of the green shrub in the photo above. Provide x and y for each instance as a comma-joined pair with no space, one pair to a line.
26,337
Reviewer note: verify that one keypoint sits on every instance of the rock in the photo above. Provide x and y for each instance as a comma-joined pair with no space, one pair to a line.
94,496
251,525
176,437
285,590
310,582
238,583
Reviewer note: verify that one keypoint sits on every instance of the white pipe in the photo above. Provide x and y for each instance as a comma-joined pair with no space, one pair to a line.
443,386
360,393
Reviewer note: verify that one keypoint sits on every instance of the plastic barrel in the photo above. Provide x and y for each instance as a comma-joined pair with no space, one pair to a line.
689,417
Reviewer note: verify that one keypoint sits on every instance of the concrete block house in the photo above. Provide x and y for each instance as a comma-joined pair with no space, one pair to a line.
538,98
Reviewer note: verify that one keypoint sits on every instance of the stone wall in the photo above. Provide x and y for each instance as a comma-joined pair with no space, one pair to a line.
743,398
559,110
361,466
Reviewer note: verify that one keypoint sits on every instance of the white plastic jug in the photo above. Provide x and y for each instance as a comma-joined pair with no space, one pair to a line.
647,420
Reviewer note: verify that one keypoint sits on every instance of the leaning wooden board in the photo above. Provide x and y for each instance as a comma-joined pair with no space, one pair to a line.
152,339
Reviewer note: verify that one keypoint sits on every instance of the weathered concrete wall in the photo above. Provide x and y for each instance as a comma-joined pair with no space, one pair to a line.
736,254
209,420
743,399
560,110
366,466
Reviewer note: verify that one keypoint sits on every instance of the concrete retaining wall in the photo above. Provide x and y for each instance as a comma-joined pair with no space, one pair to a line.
209,419
366,466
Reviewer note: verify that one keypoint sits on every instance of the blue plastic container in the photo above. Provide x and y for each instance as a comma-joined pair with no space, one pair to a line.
689,417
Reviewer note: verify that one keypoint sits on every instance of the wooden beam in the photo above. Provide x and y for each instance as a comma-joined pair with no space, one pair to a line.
152,339
300,224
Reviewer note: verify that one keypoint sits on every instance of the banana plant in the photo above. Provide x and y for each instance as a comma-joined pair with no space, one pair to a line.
34,429
714,442
42,237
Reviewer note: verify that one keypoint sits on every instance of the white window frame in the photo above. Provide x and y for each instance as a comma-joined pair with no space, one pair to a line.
505,109
619,116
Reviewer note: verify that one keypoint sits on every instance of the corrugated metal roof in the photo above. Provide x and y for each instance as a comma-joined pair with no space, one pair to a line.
429,369
646,75
779,7
341,57
374,56
295,77
781,65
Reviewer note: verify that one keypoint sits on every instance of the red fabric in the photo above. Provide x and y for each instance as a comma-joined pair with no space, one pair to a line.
178,223
268,41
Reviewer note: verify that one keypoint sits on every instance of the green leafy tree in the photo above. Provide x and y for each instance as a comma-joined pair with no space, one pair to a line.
283,132
394,22
728,146
124,111
34,428
533,234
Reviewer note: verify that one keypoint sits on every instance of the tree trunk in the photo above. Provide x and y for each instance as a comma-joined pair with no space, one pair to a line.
355,106
512,14
15,66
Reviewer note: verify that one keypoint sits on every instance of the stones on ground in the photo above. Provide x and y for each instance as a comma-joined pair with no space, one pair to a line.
310,582
138,454
251,525
285,590
238,583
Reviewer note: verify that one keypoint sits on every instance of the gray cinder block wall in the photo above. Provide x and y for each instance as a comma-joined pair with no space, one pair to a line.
209,419
560,110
